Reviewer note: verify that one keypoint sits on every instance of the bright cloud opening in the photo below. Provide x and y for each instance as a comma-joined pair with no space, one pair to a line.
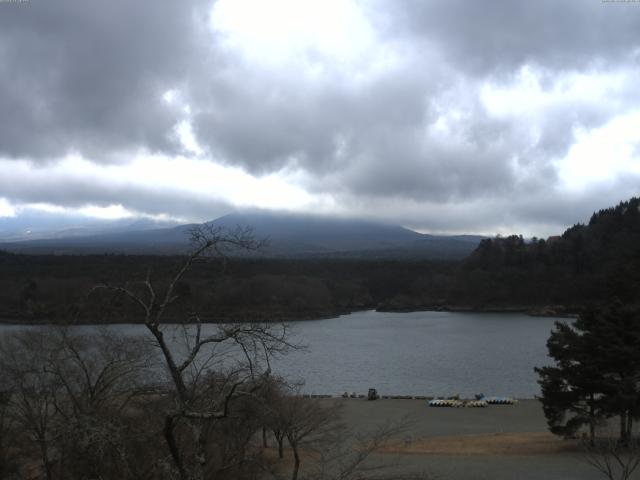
306,31
111,212
532,94
183,177
603,154
185,134
6,210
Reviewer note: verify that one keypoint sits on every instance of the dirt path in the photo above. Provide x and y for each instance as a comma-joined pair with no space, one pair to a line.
532,443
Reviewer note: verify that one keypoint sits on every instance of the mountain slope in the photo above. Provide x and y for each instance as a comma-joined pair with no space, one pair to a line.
287,235
32,224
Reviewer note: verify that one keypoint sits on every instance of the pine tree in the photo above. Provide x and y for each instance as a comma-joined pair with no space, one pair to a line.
570,390
596,373
615,332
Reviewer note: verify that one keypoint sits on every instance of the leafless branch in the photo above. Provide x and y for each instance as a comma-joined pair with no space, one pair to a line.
612,459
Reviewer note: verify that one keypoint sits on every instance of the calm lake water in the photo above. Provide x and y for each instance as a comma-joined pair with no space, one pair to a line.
419,353
428,353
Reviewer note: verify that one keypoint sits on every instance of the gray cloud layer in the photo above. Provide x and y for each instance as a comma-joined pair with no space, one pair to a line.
88,77
500,35
77,193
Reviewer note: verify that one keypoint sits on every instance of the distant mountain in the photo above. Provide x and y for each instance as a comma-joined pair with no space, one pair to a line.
33,224
287,234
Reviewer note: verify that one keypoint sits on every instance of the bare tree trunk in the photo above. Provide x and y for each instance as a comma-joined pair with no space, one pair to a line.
201,453
173,447
629,426
280,439
44,453
296,461
592,422
623,428
176,376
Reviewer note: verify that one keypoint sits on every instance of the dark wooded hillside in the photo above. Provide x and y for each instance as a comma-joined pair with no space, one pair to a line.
55,288
587,264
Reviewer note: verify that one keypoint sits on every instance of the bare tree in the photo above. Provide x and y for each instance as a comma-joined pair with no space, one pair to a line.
33,390
350,456
612,458
99,373
8,460
315,427
198,398
65,394
306,422
273,412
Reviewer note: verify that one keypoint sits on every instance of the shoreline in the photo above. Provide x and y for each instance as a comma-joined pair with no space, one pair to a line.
501,442
421,398
545,312
556,311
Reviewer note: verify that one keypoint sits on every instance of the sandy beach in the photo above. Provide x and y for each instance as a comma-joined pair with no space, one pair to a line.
498,442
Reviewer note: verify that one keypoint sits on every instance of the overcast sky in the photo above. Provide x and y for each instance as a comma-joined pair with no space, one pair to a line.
444,116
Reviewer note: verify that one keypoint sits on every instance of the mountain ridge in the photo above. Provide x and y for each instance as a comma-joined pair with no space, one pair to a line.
289,235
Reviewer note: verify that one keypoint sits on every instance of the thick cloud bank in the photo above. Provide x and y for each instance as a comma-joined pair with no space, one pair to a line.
444,116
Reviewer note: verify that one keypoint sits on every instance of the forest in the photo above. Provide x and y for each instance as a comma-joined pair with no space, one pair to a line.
587,264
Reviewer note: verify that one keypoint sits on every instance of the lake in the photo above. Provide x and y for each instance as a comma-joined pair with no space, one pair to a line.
418,353
428,353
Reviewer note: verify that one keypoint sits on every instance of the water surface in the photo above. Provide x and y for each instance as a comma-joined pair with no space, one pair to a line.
429,353
419,353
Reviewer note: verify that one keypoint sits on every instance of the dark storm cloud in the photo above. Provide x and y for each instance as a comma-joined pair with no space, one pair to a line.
266,122
88,77
372,139
412,165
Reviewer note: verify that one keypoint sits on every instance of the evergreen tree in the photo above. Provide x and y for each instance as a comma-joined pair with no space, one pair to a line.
596,373
570,390
615,333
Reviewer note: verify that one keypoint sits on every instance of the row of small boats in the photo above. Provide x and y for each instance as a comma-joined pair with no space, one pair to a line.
478,403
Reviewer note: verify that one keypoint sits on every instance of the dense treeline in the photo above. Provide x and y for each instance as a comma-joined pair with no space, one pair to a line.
56,288
592,262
